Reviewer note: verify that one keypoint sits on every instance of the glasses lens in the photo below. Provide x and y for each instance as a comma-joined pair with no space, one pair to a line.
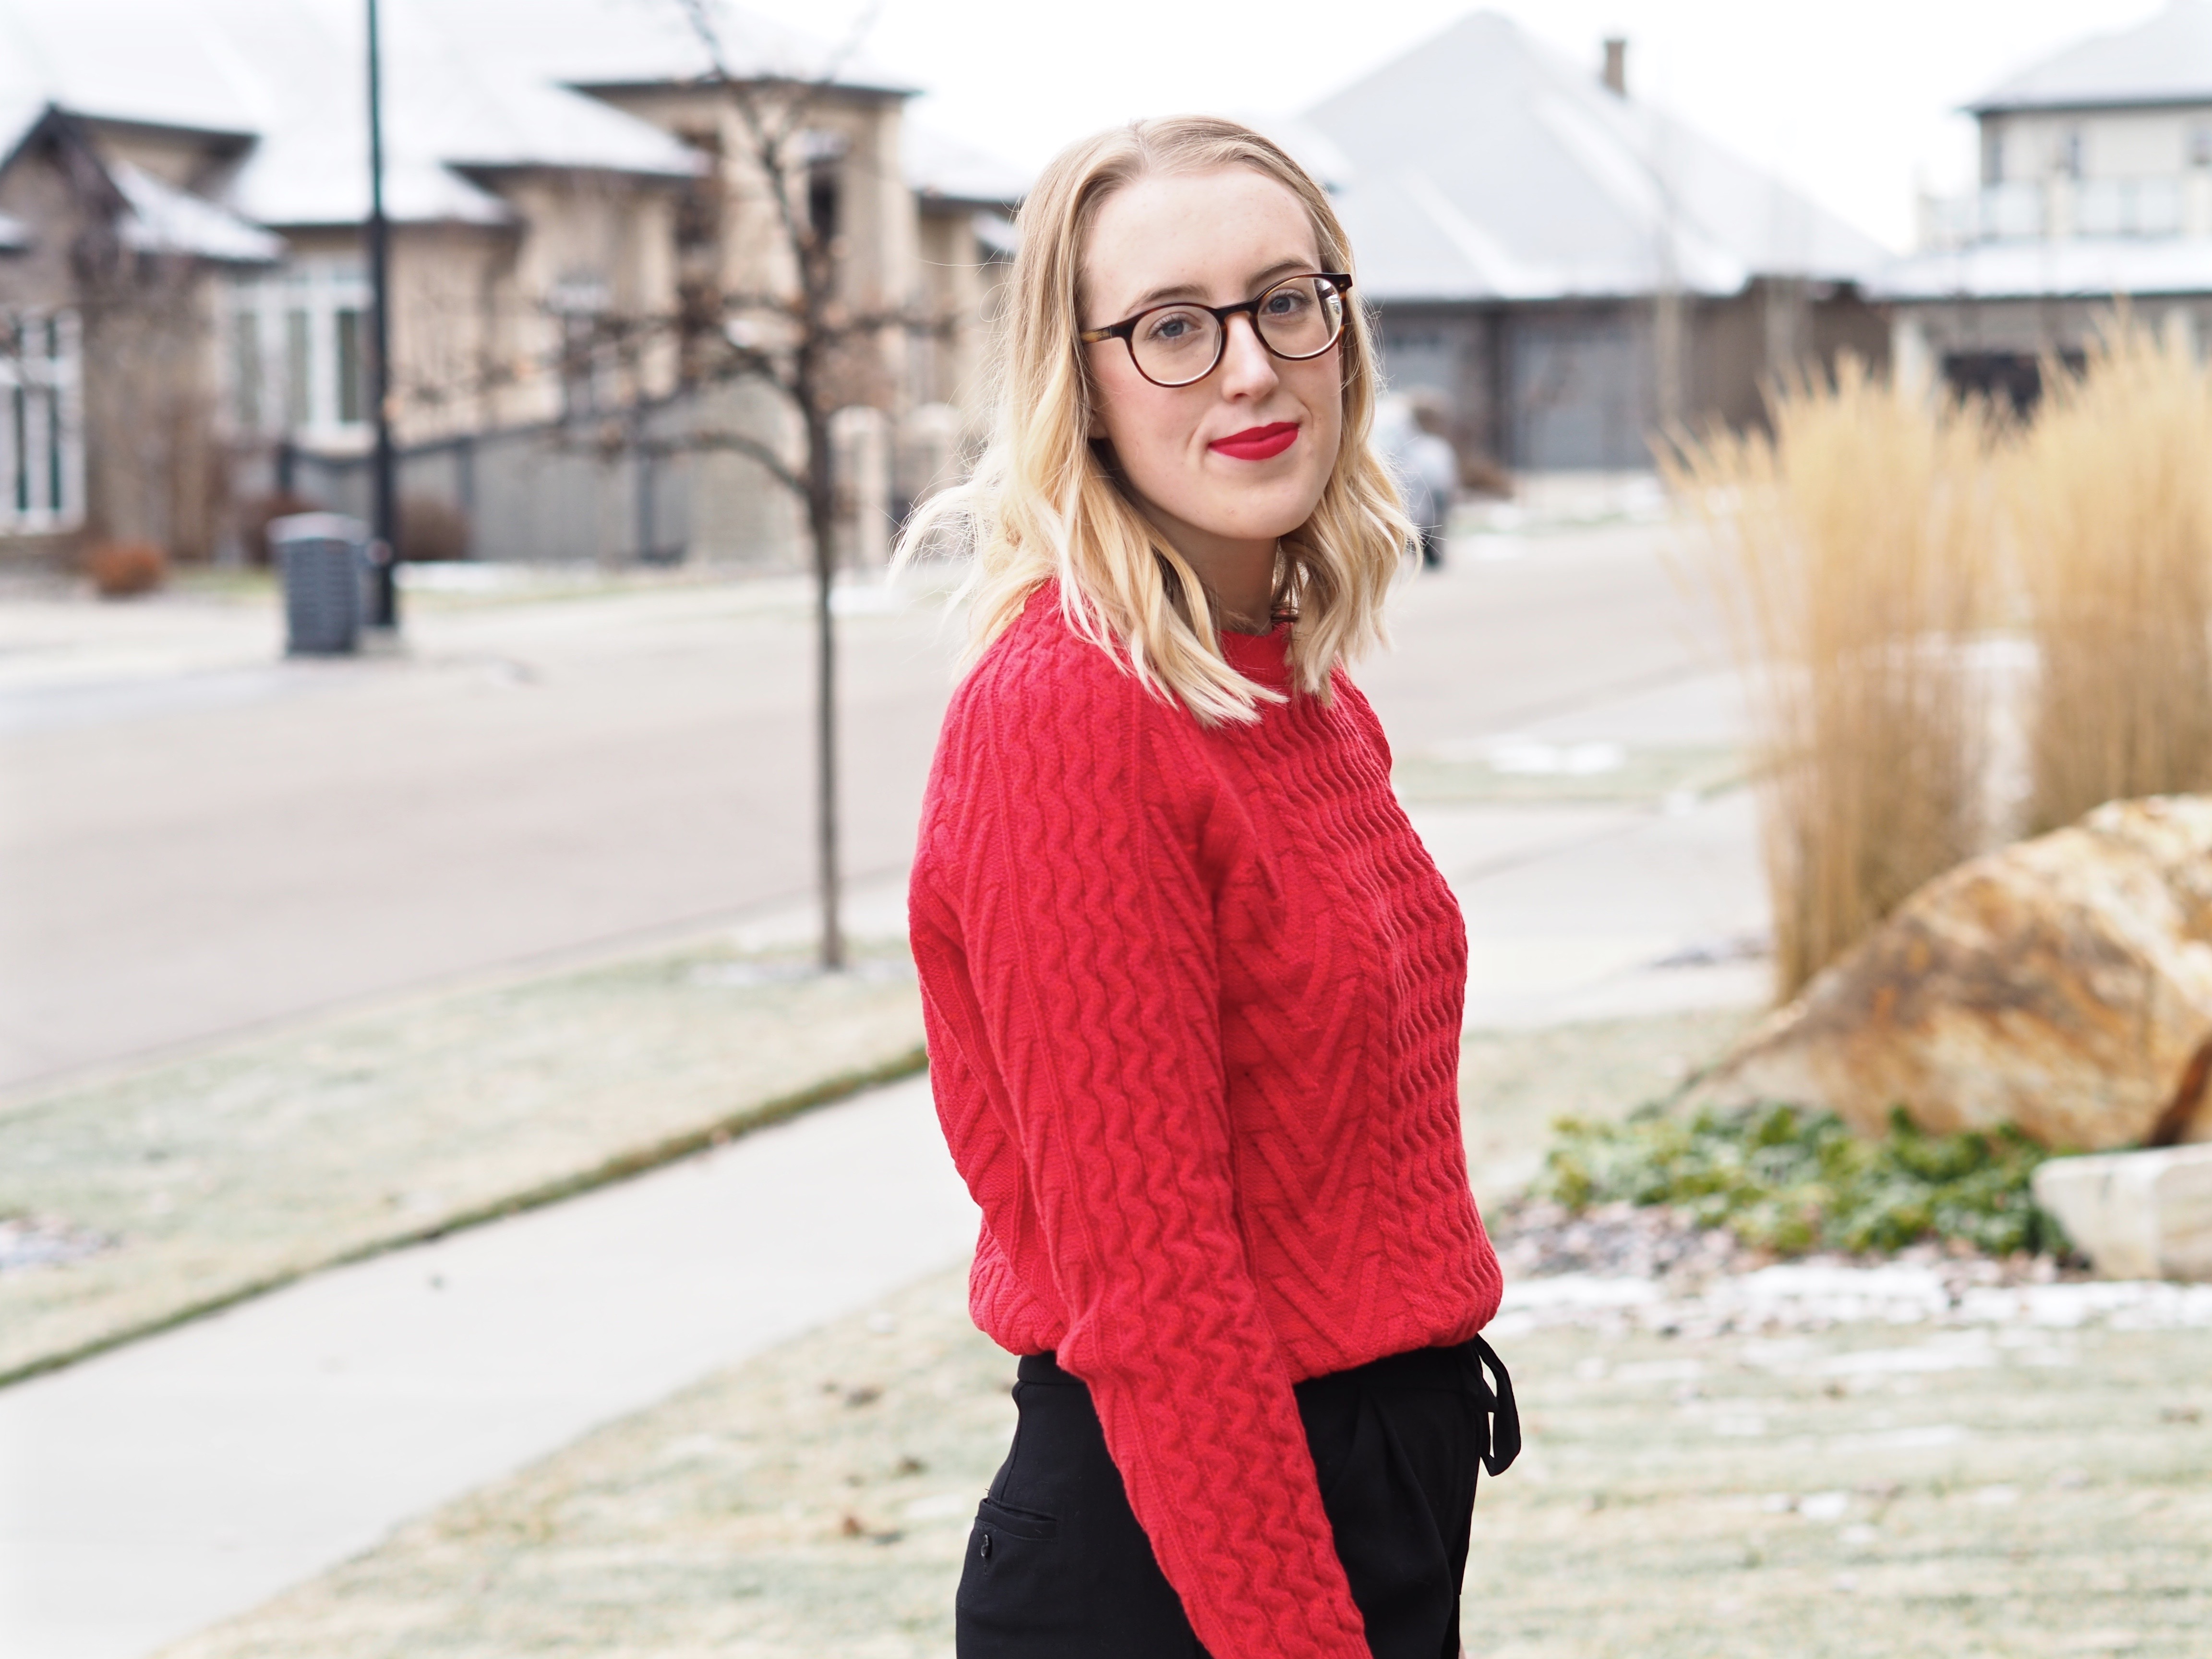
1301,317
1176,344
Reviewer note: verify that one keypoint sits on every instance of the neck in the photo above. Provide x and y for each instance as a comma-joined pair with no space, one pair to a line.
1239,574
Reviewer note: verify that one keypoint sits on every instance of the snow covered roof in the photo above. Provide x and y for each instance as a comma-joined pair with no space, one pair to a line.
470,86
1484,164
2075,268
2167,60
949,171
1306,145
166,220
627,42
150,214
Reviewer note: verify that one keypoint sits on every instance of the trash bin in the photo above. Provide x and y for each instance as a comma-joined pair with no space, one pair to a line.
324,558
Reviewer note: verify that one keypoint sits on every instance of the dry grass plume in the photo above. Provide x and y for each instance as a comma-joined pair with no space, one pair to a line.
1851,550
2109,504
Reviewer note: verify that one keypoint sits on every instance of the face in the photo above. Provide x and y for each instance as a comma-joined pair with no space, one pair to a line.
1226,465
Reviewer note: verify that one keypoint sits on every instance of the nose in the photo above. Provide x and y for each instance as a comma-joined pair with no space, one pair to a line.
1248,367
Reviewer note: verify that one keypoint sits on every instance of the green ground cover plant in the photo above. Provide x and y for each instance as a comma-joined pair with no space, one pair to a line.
1789,1180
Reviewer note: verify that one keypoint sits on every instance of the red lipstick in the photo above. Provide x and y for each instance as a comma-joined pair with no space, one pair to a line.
1257,443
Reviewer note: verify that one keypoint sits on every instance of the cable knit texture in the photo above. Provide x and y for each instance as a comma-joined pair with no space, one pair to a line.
1194,1007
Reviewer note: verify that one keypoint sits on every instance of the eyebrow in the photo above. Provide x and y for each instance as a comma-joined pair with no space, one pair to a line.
1192,291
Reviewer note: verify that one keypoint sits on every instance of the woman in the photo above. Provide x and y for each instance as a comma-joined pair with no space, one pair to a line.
1193,987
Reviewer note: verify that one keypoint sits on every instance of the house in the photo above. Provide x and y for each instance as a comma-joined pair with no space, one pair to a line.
109,269
2096,185
1567,268
577,216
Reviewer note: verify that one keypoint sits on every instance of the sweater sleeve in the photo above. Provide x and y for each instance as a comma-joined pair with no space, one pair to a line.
1088,929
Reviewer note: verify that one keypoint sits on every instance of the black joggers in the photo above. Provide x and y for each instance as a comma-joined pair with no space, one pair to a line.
1058,1568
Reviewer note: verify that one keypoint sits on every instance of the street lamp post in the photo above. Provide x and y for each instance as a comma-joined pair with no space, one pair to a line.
384,604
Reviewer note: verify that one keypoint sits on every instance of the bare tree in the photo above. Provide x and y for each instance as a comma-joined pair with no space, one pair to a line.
802,338
789,322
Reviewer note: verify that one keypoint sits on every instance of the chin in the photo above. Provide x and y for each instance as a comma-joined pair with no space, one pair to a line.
1274,520
1243,528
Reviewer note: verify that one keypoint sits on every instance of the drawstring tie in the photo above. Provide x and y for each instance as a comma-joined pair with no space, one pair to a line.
1501,1418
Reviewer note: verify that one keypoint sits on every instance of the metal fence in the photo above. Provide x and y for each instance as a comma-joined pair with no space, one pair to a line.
549,494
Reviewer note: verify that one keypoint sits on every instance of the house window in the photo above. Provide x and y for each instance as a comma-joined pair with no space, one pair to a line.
2199,144
2066,160
824,155
1992,153
699,208
246,374
299,362
299,353
41,422
352,405
580,303
822,202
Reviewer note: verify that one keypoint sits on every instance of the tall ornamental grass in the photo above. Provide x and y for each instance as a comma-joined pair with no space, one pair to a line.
1851,547
2108,497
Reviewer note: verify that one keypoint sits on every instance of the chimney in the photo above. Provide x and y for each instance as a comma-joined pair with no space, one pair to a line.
1616,66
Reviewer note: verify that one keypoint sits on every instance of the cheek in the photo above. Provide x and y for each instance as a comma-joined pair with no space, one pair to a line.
1143,422
1324,400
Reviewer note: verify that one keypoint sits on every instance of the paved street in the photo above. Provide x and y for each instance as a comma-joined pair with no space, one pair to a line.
197,837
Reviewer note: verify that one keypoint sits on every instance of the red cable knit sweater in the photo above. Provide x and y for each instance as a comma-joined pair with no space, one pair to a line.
1194,1010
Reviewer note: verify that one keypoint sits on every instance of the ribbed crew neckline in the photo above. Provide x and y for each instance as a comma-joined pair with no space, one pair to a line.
1263,657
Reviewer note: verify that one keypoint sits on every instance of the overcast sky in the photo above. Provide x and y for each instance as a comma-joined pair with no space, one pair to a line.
1854,103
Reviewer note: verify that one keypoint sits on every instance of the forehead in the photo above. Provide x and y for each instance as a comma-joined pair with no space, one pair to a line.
1203,235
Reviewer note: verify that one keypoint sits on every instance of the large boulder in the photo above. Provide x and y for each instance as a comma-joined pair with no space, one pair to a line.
2062,985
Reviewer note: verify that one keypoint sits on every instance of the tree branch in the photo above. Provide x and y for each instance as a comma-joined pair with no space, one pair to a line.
736,443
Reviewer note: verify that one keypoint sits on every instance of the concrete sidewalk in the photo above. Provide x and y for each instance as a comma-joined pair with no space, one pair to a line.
223,1174
153,1491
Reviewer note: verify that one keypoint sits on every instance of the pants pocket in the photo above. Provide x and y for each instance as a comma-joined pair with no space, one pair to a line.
1019,1596
1388,1537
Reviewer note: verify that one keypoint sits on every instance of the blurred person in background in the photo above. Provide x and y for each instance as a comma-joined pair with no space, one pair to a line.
1409,431
1192,984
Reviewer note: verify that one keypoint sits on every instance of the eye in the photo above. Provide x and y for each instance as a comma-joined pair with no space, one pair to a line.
1288,302
1171,327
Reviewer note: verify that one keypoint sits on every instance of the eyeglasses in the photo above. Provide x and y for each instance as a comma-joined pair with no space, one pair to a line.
1181,344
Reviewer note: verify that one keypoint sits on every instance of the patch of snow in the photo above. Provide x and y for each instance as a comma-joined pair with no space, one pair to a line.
1926,1436
1532,757
1711,1294
1971,1351
35,1241
1577,1291
167,220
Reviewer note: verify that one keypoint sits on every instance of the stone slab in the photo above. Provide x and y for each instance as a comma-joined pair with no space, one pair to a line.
2136,1215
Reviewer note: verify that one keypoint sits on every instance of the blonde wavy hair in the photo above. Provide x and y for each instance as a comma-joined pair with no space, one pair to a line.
1044,500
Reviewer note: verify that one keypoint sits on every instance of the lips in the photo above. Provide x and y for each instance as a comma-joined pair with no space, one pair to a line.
1257,443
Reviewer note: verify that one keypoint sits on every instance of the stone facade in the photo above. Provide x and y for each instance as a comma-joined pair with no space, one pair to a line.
107,324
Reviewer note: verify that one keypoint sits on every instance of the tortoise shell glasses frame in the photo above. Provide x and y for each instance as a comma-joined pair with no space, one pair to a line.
1170,355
